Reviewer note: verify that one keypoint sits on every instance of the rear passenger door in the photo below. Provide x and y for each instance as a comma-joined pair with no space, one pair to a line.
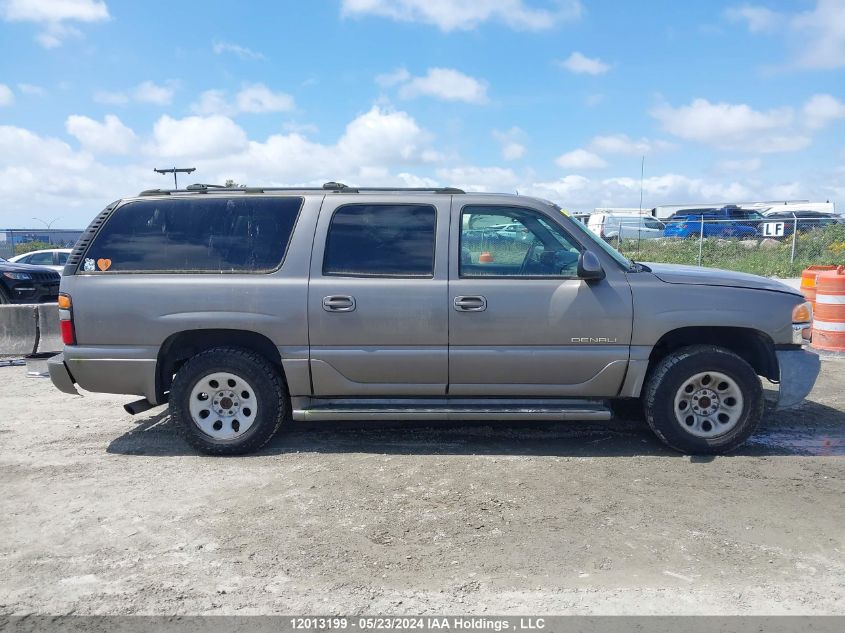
377,297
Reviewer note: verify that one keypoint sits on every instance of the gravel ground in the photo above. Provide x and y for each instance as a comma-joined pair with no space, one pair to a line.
104,513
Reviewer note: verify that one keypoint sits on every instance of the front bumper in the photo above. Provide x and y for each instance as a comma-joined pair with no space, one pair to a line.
799,370
60,375
27,291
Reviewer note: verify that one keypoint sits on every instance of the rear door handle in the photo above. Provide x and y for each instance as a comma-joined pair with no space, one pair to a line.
338,303
470,304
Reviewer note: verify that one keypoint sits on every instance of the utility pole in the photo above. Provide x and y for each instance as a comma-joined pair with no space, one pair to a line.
174,171
47,224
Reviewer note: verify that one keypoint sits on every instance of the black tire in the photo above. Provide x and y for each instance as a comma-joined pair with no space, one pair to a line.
4,298
669,376
270,393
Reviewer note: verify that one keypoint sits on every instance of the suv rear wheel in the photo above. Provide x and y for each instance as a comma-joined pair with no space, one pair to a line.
228,401
703,400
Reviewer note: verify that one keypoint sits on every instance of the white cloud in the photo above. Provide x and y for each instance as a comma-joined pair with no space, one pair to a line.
446,84
243,52
580,159
196,137
398,76
733,126
109,137
259,98
451,15
816,36
150,92
581,64
624,144
111,98
254,98
54,16
821,33
32,89
43,172
213,102
511,142
7,97
582,193
821,110
758,19
145,92
372,145
471,178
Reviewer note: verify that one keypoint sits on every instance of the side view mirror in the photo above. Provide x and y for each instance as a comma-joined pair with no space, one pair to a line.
589,267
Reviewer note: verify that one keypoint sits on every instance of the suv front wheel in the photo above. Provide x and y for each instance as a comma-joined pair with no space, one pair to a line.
228,401
703,399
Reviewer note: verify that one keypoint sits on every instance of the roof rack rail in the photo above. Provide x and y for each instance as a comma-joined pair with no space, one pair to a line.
332,187
198,186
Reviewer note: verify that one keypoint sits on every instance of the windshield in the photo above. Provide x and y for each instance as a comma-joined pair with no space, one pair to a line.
578,227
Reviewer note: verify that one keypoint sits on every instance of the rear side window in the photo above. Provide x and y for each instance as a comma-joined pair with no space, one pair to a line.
381,240
210,235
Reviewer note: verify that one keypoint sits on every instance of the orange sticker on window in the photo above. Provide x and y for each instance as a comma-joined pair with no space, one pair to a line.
103,264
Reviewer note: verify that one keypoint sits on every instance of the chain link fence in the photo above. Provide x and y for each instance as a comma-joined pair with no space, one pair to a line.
771,247
18,241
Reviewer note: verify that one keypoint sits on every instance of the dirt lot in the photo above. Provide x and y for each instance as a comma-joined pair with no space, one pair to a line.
106,513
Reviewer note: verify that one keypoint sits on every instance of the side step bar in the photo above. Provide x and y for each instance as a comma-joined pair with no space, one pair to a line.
326,410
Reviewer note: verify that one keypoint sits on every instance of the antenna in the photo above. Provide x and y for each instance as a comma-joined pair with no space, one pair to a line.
642,174
174,171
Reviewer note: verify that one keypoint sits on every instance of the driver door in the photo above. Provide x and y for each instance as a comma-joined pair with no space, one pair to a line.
521,322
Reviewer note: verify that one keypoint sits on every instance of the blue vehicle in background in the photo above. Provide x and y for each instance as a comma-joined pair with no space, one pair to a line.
728,221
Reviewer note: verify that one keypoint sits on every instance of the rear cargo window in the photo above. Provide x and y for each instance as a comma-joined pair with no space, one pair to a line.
243,234
381,240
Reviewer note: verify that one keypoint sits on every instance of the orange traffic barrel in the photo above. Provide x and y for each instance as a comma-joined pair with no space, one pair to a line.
808,282
829,318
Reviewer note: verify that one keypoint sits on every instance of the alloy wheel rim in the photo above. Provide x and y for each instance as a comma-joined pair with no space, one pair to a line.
708,404
223,405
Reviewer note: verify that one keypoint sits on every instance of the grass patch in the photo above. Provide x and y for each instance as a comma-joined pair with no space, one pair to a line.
811,248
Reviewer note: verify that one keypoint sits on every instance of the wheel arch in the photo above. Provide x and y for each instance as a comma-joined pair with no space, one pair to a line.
754,346
180,346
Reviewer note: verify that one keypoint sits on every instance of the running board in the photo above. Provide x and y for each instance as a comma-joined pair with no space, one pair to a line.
325,410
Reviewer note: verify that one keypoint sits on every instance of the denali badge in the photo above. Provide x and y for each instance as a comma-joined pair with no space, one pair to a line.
590,339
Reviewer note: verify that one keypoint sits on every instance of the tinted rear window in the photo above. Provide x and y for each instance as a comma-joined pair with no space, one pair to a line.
243,234
381,240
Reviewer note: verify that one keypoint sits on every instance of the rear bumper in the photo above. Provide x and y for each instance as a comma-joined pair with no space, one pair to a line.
799,370
60,375
124,370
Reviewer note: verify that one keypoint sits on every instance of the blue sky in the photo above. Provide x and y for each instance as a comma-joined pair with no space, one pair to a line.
557,98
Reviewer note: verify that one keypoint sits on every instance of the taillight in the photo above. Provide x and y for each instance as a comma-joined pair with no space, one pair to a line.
66,320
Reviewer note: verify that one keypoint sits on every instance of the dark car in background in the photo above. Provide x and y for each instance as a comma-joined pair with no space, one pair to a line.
728,221
21,283
784,223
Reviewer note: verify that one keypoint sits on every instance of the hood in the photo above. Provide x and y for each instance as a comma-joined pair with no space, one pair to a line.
11,267
696,275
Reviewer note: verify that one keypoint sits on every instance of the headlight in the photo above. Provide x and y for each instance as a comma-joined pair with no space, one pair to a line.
802,318
18,276
802,313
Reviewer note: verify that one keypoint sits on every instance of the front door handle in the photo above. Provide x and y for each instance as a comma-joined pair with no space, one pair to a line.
470,304
338,303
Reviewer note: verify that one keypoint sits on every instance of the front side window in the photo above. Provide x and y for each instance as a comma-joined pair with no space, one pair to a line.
381,240
195,234
536,248
41,259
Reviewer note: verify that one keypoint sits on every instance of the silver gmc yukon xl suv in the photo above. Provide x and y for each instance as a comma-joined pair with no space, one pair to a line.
244,309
